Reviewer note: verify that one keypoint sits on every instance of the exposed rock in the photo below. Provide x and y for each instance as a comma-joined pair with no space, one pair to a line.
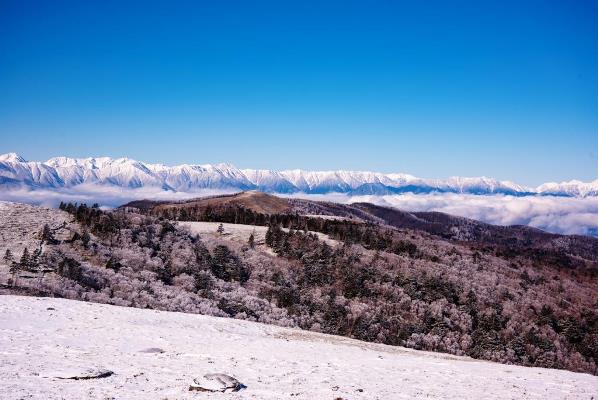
216,383
91,373
152,350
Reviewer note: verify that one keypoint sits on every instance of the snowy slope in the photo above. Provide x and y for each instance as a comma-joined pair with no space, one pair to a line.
64,172
20,225
240,233
43,339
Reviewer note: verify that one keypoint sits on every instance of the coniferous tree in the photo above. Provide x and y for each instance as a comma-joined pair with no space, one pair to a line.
34,260
46,233
269,236
220,260
85,238
251,240
16,267
226,266
220,229
8,257
25,259
165,273
14,270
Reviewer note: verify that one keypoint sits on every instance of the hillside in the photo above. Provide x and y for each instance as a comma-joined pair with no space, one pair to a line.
573,251
155,354
253,200
321,267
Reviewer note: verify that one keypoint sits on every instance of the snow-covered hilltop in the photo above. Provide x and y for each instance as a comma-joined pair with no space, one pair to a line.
64,172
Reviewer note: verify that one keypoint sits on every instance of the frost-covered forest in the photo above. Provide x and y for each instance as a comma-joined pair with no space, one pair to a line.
369,282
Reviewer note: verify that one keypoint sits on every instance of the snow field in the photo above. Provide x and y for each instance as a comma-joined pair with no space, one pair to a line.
42,339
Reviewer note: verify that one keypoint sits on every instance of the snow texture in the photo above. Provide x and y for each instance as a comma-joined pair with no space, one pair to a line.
44,339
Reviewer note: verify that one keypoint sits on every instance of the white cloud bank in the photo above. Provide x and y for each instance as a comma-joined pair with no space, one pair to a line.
108,196
555,214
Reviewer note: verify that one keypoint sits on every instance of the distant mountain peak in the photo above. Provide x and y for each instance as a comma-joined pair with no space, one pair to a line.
12,157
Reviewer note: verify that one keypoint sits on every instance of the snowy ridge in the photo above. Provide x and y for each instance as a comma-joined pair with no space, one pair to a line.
65,172
572,188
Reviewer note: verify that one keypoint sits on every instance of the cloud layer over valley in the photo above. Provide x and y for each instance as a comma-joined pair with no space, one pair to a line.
551,213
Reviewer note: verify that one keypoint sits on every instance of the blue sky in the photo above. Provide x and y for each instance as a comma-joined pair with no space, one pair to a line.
503,89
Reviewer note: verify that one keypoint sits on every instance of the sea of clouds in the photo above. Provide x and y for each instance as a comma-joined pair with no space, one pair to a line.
556,214
105,196
551,213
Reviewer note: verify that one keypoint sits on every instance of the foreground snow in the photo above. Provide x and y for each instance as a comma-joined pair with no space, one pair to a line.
42,339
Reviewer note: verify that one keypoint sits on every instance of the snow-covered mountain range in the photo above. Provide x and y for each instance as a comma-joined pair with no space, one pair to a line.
64,172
